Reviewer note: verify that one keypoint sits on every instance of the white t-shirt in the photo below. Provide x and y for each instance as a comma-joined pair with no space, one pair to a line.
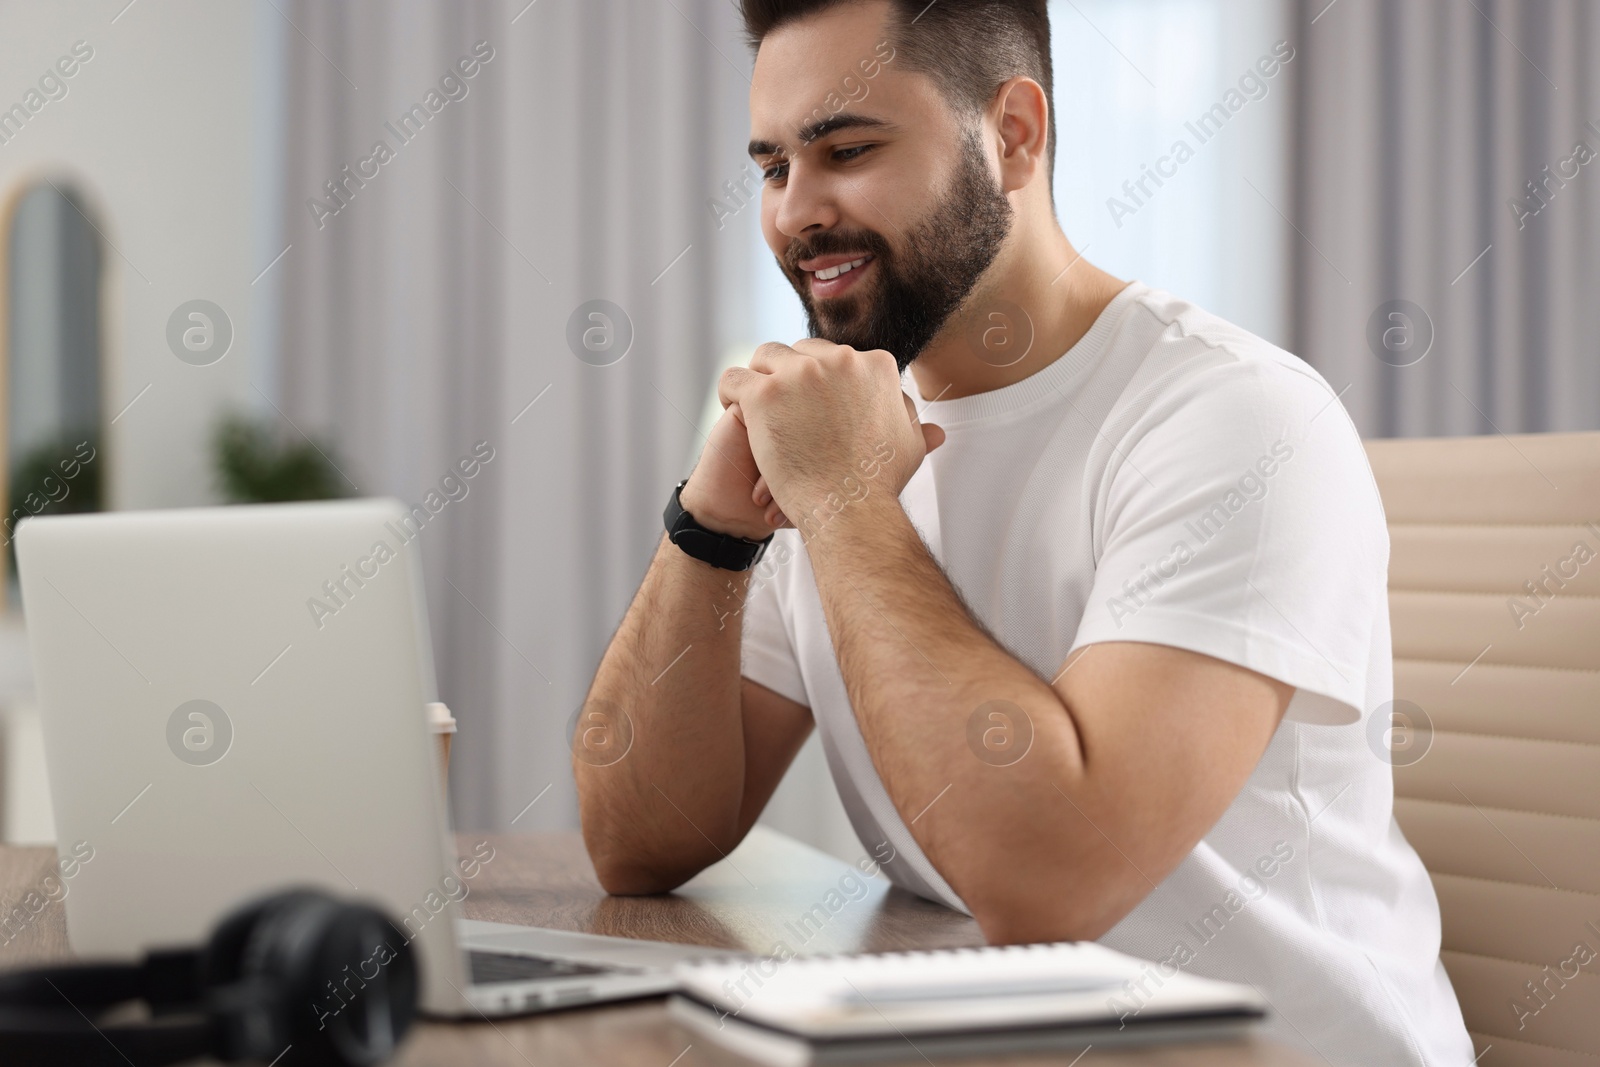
1175,480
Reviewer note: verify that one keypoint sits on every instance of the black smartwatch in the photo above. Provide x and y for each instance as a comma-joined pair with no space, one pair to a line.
720,550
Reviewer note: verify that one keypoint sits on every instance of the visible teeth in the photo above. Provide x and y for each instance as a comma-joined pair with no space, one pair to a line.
829,273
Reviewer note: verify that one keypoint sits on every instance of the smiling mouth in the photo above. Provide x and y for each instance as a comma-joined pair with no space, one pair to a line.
831,281
829,273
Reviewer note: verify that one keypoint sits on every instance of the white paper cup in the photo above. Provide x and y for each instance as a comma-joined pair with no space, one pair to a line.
443,726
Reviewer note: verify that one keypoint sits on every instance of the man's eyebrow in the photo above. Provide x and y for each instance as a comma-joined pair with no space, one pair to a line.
823,127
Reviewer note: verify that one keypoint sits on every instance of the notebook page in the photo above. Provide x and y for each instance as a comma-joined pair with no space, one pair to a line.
995,986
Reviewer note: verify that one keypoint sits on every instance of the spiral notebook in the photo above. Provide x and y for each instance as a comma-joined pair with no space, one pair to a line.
952,1002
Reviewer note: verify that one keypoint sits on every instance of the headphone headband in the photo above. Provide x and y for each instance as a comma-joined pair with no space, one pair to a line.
35,1038
255,990
162,978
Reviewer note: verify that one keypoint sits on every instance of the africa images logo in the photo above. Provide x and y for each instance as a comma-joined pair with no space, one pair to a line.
199,332
199,732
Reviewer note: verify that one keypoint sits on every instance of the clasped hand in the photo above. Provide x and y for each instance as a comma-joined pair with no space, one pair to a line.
799,424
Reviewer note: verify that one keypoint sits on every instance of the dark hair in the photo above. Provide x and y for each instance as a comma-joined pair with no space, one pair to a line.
968,47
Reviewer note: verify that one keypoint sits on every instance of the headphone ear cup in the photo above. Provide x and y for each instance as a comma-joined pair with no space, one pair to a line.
363,996
243,982
223,960
334,980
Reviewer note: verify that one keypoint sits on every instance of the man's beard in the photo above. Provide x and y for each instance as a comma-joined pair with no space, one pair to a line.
921,284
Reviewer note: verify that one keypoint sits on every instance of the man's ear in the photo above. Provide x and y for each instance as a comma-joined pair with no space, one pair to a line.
1022,119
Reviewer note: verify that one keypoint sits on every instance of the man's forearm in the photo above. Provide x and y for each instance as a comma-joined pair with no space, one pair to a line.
658,751
919,669
1116,768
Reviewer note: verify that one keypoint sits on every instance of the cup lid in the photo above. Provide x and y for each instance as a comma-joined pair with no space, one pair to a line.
440,719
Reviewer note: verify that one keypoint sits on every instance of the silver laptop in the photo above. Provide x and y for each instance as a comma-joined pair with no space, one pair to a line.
233,702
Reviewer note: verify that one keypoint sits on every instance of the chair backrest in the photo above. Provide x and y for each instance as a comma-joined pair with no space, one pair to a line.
1494,596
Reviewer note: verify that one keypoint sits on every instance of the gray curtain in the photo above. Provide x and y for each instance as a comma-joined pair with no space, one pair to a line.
1420,126
432,311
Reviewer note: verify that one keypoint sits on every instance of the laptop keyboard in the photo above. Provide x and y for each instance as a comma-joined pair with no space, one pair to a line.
490,968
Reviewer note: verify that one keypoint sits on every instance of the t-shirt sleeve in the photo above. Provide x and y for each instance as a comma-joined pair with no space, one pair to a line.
1239,519
766,652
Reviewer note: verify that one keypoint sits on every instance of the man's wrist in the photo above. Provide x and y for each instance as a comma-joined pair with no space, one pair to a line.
837,516
703,514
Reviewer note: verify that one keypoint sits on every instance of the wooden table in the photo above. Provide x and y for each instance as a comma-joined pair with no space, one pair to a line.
747,902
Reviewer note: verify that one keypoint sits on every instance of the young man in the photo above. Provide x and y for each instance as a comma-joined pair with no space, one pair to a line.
1090,628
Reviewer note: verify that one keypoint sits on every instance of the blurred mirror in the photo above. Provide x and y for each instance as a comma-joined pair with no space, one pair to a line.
53,368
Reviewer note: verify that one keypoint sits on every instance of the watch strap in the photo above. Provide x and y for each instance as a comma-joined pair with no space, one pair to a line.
708,546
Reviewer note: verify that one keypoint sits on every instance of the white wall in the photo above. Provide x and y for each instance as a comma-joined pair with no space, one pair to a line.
163,131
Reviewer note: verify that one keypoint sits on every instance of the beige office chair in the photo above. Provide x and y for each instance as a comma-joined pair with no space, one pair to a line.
1494,594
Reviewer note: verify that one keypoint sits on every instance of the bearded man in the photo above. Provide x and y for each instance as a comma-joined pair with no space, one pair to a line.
1089,623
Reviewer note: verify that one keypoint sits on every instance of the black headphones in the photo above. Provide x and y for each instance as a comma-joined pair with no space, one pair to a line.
299,975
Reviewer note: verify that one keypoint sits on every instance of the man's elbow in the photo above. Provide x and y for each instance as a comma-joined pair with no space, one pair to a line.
632,880
1015,927
1013,918
624,872
632,858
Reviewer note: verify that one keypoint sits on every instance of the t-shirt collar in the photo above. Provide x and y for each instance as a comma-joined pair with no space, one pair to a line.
1051,380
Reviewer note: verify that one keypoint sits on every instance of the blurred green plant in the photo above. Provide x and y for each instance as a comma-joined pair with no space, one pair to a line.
52,478
257,464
